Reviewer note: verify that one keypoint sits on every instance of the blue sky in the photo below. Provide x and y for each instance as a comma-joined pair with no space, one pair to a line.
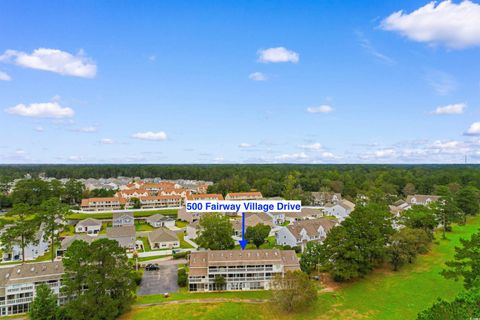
239,82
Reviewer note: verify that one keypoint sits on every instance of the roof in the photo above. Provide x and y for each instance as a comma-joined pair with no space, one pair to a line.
38,271
132,191
251,220
203,259
205,196
347,204
157,218
160,198
123,231
326,196
86,202
89,222
117,215
82,237
311,226
304,213
245,194
162,235
422,198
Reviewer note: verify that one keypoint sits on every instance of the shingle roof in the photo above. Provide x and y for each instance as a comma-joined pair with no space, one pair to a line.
89,222
123,231
204,259
311,226
117,215
162,235
157,218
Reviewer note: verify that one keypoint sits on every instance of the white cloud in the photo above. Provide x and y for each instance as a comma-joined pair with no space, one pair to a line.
279,54
474,129
39,129
87,129
314,146
53,60
245,145
442,83
328,155
370,49
106,141
150,135
456,108
455,25
292,156
75,158
41,110
4,76
257,76
385,153
320,109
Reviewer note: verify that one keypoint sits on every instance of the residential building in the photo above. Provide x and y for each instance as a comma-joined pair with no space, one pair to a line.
244,196
89,226
192,230
340,210
18,285
123,219
251,220
305,213
32,250
189,217
133,193
398,206
241,270
323,198
67,242
163,238
204,196
124,235
103,204
300,232
174,192
160,201
159,220
421,199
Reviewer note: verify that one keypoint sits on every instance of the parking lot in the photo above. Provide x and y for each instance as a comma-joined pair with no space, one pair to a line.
159,281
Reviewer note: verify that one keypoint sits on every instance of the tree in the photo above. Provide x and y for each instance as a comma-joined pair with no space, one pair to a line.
98,280
52,216
182,277
257,234
294,291
136,203
420,217
74,190
467,200
31,192
405,244
311,257
408,189
467,262
447,212
220,282
22,231
44,306
215,232
465,306
358,245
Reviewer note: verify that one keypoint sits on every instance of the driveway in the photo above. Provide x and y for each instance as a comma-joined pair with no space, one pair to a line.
160,281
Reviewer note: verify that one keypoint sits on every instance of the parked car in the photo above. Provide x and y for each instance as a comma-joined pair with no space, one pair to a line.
152,267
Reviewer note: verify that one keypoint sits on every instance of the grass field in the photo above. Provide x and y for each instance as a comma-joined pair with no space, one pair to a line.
382,295
183,244
108,215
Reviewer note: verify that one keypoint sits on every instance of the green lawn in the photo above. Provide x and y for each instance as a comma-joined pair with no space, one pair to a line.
181,224
270,243
108,215
382,295
183,244
152,258
143,226
146,243
68,231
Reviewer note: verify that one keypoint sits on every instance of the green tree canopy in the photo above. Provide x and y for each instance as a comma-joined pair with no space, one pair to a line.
215,232
257,234
294,291
44,306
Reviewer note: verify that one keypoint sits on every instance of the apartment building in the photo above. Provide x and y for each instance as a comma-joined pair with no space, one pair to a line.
103,204
18,285
134,193
238,269
244,196
299,233
204,196
160,201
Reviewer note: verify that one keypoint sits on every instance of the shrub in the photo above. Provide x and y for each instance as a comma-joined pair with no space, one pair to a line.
182,277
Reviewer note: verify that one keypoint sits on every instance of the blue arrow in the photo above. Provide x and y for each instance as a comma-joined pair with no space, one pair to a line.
243,242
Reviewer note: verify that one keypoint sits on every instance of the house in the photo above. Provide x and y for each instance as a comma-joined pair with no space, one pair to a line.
163,238
123,219
160,201
398,206
133,193
322,198
204,196
103,204
301,232
18,285
174,192
244,196
124,235
340,210
90,226
189,217
67,242
32,250
241,270
192,230
251,220
159,220
305,213
157,187
420,199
